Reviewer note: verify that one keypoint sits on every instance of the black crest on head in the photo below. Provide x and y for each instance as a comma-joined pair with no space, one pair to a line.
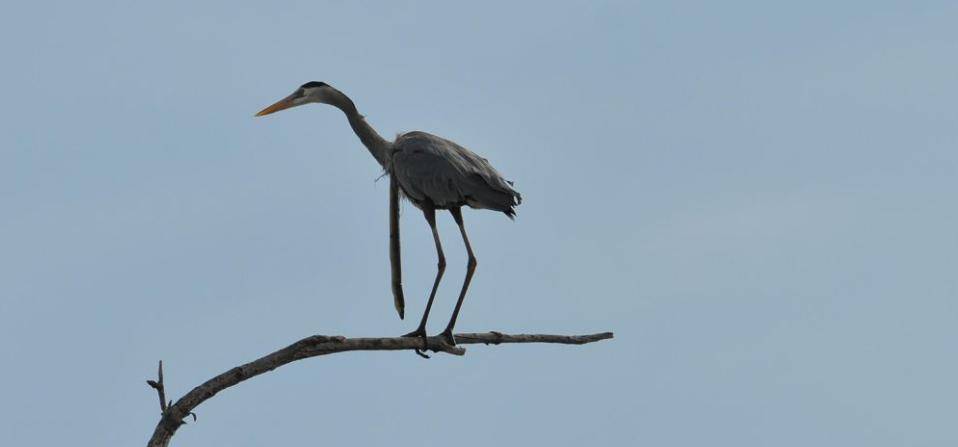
314,84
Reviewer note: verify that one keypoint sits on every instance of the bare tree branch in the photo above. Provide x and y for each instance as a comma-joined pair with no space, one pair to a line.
158,386
317,345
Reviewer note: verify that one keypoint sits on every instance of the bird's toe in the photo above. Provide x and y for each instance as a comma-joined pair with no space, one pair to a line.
420,332
448,337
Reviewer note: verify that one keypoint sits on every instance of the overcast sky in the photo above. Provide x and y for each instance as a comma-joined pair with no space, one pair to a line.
759,199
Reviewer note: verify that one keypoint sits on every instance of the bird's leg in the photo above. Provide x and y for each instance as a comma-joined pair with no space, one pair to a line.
470,269
430,214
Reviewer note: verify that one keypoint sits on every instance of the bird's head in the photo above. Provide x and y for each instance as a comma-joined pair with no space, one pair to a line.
310,92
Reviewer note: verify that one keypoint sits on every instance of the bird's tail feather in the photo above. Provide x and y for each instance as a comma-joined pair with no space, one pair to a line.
394,256
398,299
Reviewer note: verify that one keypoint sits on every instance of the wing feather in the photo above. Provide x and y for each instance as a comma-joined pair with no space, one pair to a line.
430,168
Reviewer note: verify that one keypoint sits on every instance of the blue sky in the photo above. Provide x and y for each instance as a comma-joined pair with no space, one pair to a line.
758,198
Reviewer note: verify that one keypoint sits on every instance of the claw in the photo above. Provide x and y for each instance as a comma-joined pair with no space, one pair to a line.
420,332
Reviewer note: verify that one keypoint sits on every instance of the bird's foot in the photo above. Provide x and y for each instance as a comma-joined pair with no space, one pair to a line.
447,336
421,333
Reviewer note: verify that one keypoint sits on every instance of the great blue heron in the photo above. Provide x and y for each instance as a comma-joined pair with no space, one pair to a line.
432,173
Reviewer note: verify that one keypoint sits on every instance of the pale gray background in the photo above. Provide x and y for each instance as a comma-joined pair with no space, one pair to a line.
758,199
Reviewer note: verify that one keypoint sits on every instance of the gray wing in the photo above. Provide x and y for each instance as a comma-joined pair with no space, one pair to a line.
436,170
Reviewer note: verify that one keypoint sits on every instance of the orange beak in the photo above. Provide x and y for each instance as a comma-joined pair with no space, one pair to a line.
282,104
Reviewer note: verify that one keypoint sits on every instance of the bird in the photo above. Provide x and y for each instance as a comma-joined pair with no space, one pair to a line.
432,173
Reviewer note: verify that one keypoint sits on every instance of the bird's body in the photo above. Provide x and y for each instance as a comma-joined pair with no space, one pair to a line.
432,173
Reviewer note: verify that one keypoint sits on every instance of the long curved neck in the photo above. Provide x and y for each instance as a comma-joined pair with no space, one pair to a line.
377,145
